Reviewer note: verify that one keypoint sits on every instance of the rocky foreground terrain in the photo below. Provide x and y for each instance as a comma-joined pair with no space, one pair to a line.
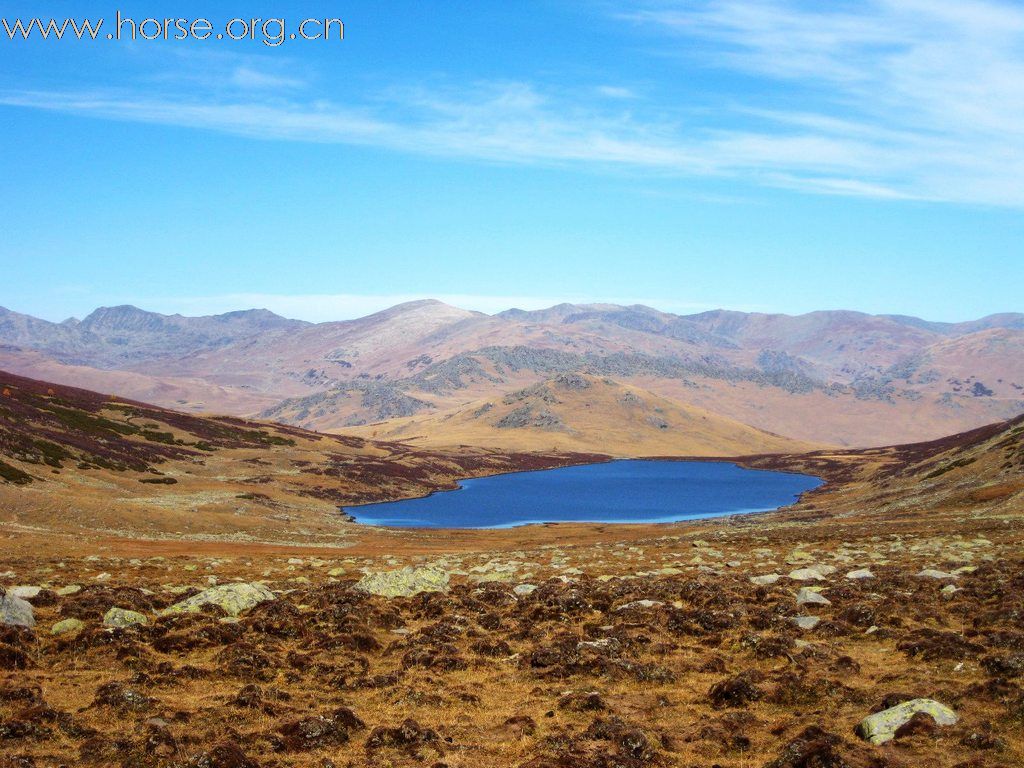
734,645
782,640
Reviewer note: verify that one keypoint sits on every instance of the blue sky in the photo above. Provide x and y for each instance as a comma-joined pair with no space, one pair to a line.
772,156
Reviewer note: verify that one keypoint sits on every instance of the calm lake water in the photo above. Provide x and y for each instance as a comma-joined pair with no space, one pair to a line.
633,491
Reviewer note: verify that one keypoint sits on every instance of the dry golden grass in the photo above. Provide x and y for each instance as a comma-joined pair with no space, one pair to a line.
585,414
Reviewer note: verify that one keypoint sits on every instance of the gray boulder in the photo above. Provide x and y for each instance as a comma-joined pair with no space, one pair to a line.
806,574
860,573
806,622
25,592
809,597
931,573
15,612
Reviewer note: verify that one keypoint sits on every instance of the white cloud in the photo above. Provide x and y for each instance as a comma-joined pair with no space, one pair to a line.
616,92
913,98
888,99
250,77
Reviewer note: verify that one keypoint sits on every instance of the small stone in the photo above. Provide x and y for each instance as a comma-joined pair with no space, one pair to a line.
806,622
67,627
882,726
522,590
70,589
765,580
806,574
119,618
336,572
949,590
860,573
810,597
931,573
640,604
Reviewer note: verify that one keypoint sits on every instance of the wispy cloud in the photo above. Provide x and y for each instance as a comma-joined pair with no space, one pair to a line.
888,99
908,98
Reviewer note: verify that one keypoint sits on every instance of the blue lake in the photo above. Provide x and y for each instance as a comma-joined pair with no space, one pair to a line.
629,491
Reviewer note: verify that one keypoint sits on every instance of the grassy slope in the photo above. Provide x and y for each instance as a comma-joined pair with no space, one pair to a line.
585,413
74,458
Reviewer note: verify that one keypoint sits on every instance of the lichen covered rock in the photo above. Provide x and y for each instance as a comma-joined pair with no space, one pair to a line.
233,599
119,618
404,582
882,726
67,627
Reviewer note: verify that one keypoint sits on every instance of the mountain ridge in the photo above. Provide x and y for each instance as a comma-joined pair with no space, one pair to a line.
868,379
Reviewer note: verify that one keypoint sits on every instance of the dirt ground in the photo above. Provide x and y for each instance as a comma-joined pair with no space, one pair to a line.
757,640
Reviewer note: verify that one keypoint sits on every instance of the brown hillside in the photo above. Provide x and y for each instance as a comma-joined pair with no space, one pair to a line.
574,412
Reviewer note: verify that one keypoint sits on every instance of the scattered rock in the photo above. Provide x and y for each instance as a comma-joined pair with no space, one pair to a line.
15,612
931,573
808,596
521,590
640,604
24,592
806,574
67,627
883,726
120,618
404,582
765,580
806,622
233,599
860,573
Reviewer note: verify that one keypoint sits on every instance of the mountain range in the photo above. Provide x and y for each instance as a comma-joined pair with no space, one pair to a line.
426,371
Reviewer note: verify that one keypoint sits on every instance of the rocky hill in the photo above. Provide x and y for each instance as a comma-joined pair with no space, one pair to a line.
866,379
587,413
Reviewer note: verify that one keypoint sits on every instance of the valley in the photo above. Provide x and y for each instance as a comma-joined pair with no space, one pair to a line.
180,590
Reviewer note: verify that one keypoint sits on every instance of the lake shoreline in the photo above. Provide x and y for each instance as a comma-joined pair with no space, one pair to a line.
351,512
